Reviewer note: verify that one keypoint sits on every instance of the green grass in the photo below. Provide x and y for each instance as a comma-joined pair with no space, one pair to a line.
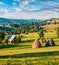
23,54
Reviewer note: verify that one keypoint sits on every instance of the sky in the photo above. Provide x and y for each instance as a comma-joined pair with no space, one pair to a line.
29,9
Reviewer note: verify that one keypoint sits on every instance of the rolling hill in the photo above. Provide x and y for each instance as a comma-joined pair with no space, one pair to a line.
4,20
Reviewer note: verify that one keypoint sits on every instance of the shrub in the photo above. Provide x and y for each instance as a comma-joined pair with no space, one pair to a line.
58,32
41,33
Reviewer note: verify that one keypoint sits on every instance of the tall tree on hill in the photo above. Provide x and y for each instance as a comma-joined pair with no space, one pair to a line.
1,36
41,33
58,32
54,22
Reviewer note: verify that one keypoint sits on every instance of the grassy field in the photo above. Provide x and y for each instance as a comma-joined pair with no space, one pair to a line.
23,54
48,27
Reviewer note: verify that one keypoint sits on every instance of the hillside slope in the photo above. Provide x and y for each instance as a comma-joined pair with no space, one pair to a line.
51,26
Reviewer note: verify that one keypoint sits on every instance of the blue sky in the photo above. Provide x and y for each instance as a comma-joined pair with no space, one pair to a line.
29,9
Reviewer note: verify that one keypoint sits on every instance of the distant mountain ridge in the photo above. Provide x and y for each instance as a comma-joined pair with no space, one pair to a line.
10,24
5,20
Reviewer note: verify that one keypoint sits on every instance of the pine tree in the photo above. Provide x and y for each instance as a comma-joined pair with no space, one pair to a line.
41,33
1,36
58,32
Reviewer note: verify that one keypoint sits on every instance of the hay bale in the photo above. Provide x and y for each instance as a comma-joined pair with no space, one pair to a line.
36,44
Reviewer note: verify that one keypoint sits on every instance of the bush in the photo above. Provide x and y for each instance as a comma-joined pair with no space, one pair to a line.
17,39
58,32
1,36
41,33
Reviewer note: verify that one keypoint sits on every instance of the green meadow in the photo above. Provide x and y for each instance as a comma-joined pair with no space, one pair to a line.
23,54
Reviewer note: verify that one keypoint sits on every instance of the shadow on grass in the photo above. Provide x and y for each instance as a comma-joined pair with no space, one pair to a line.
27,41
14,46
37,54
20,45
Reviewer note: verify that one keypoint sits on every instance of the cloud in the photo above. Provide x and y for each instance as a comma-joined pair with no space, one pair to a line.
37,5
27,6
16,0
1,3
54,6
3,10
14,3
26,15
17,10
11,10
14,10
25,3
38,9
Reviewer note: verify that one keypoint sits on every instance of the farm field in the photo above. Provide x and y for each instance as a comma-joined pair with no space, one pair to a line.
22,53
48,27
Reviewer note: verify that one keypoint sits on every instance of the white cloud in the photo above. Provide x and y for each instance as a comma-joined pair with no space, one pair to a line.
17,9
52,4
32,9
29,12
16,0
1,3
6,11
36,15
3,10
33,0
25,3
32,6
14,4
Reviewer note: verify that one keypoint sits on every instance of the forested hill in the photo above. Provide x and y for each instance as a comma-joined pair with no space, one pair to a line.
4,20
10,24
